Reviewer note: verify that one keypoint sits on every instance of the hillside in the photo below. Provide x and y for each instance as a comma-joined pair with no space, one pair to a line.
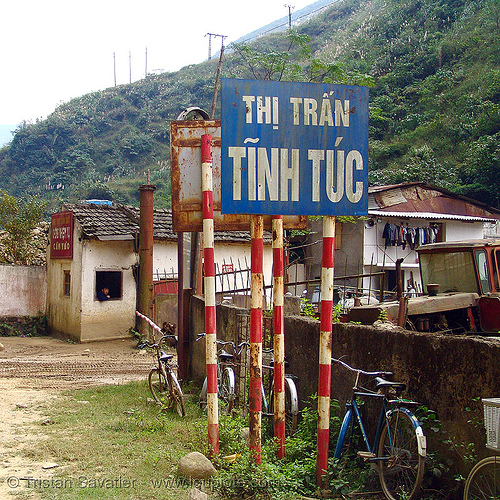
434,71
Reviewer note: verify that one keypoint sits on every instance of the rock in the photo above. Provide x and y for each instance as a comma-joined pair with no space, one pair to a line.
49,465
245,434
195,494
195,466
21,405
2,347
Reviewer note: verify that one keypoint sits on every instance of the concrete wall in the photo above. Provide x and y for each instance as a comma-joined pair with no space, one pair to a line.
79,315
443,372
63,311
165,309
22,290
113,318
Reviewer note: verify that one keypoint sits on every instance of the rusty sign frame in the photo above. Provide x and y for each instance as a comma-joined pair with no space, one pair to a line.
186,192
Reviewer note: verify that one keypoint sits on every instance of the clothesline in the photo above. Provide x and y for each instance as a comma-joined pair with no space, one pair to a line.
401,235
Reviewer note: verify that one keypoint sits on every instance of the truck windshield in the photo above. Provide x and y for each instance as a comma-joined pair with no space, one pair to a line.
454,271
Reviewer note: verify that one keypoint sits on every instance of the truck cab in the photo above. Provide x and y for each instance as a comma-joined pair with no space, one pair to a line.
462,281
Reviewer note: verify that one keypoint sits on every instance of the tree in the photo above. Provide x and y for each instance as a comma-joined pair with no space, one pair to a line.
18,218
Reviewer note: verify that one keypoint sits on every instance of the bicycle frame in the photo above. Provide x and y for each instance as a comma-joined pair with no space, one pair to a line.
353,410
386,411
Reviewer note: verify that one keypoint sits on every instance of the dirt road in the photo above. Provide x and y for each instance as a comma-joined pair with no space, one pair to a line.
33,372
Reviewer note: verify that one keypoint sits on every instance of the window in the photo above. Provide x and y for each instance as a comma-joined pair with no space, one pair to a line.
495,262
112,280
67,283
482,269
454,271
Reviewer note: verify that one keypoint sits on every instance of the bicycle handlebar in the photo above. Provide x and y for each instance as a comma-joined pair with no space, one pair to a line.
146,343
362,372
236,349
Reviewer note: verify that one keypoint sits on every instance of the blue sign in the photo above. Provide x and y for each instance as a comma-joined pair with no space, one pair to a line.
294,148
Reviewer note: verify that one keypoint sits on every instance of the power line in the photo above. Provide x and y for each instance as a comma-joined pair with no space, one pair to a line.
274,28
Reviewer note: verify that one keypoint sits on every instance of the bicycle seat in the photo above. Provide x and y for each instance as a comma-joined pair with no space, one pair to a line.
225,356
165,357
385,384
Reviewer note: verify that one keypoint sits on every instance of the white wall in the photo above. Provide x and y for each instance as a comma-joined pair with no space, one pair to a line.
385,258
22,290
111,318
63,312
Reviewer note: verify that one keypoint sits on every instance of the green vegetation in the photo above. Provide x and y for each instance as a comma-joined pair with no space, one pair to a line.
29,326
18,218
434,71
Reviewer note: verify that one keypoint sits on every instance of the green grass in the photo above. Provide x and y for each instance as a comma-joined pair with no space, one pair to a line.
109,442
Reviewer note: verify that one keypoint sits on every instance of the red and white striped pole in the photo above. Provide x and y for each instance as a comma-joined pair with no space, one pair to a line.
325,347
257,288
279,336
209,281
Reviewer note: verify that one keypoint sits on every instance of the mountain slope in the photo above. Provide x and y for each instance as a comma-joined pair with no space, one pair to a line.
434,104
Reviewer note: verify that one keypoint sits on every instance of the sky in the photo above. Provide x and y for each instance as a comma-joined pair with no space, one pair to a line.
54,50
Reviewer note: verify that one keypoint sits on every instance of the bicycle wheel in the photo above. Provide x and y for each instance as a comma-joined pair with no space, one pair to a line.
483,481
227,388
291,406
344,428
176,395
203,395
158,386
400,465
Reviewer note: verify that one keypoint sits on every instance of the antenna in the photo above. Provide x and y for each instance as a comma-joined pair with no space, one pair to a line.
130,65
146,65
290,8
114,66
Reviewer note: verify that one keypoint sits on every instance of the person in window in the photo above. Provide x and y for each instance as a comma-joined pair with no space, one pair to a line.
103,294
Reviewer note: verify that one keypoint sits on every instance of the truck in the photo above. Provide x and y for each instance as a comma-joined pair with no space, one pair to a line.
463,291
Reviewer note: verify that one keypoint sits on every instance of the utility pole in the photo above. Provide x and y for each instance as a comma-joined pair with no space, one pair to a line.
217,78
146,65
210,35
130,66
290,8
114,66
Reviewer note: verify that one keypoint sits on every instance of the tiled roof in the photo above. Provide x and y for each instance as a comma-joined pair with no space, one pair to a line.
108,222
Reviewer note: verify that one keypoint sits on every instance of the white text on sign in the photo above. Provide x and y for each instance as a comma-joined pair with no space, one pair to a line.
306,111
278,170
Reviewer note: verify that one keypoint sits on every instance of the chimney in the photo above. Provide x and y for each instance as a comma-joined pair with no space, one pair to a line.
145,288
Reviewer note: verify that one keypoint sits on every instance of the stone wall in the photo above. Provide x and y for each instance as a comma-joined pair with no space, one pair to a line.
443,372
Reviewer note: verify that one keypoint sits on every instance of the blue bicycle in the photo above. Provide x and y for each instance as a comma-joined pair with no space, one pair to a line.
399,446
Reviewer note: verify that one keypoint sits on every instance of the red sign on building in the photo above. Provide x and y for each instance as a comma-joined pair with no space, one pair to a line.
61,236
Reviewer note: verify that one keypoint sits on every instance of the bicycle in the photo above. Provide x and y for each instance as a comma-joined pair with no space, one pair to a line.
483,481
291,396
399,445
162,380
226,362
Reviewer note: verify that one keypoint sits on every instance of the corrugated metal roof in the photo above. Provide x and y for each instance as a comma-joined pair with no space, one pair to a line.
419,197
428,215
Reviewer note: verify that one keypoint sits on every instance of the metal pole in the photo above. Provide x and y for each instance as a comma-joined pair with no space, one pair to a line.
256,291
279,339
325,347
145,302
210,325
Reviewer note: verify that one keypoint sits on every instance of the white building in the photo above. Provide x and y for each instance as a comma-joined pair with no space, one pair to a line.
96,246
412,208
